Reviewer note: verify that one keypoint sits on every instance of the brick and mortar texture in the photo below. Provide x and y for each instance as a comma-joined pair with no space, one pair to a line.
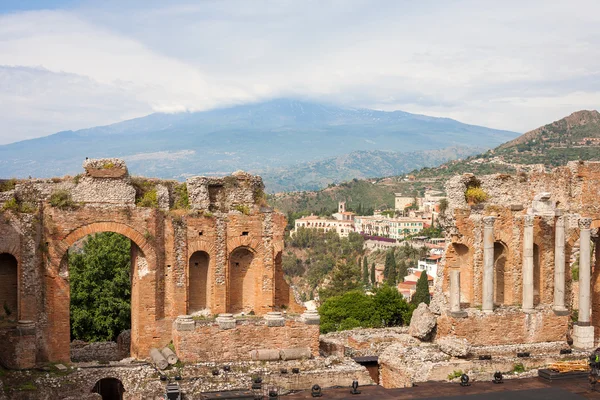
209,342
574,193
225,215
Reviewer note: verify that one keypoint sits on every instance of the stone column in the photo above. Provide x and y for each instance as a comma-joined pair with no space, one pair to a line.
584,270
528,264
488,264
583,332
559,267
455,294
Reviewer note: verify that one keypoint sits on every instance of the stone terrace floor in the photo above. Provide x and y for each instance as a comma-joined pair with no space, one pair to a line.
513,389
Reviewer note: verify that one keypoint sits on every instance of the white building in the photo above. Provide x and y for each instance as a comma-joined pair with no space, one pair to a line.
401,202
343,222
394,228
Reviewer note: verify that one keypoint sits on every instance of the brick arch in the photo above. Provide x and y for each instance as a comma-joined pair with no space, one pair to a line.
459,256
99,227
143,291
253,244
277,246
201,245
14,250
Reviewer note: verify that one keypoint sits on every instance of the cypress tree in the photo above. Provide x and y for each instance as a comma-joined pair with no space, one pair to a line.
402,270
389,273
373,278
365,271
422,293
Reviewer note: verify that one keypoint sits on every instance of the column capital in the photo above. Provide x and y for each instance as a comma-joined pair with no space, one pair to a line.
585,223
488,222
560,222
528,220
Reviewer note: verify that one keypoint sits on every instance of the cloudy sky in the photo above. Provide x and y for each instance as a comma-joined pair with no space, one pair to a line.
504,64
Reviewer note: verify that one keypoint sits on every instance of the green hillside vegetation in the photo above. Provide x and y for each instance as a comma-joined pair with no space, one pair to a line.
312,257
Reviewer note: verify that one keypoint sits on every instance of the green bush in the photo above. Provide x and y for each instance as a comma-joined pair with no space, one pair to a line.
356,309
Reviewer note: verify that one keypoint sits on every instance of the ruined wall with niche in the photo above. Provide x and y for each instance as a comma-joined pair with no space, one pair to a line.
219,216
571,192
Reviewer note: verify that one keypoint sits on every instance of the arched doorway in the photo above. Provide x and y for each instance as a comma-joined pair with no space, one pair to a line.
500,281
144,311
99,269
242,281
9,294
198,289
109,389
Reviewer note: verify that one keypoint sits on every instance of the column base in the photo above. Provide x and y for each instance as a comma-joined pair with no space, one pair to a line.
561,311
488,311
528,310
458,314
583,337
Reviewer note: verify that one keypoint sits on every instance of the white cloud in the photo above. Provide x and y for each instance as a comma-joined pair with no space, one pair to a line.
510,65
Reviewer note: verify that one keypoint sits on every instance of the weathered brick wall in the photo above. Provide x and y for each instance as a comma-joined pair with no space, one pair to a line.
208,342
573,193
505,327
228,214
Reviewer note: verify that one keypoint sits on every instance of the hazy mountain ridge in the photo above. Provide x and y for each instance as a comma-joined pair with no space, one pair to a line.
254,137
359,165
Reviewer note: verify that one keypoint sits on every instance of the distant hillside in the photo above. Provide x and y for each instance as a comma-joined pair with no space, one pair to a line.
358,165
252,137
576,137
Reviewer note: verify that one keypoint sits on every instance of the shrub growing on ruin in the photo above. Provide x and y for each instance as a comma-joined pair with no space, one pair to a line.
182,200
62,199
149,199
6,185
244,209
475,195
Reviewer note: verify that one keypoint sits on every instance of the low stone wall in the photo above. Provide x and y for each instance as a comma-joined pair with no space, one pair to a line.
141,381
207,340
505,327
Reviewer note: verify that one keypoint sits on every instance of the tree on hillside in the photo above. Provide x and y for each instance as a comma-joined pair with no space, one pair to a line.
391,307
344,278
365,271
422,292
100,288
402,270
389,272
373,277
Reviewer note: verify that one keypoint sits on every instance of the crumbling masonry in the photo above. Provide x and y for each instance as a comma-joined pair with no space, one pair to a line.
221,255
506,277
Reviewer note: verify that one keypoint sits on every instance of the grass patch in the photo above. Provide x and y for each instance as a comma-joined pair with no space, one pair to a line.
518,368
18,206
455,374
27,386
